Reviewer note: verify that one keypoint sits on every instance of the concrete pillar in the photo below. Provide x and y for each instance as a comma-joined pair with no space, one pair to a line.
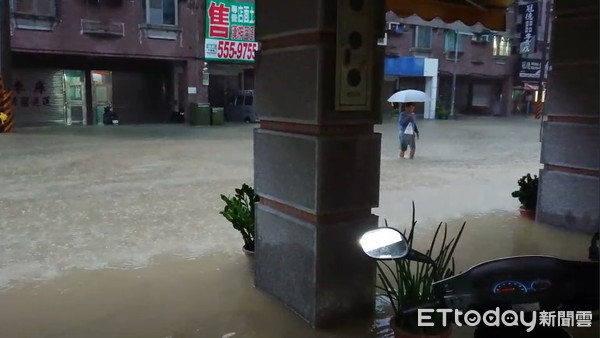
431,87
316,166
506,103
196,92
569,191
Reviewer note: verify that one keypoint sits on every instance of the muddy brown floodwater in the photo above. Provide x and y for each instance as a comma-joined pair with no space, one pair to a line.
115,232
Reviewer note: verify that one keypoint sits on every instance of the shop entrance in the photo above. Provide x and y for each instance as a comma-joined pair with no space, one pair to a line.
75,95
101,93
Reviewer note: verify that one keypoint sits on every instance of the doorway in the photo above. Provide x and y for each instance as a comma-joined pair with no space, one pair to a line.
75,90
101,93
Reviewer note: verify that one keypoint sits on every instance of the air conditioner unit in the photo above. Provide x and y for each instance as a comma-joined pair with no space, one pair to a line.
382,41
106,28
482,38
395,27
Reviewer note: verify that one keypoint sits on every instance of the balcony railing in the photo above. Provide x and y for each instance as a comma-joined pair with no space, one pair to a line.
105,28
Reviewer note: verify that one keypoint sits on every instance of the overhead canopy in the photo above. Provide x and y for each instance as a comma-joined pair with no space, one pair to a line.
490,13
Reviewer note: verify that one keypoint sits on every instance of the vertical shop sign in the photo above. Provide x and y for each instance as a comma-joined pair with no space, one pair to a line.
529,28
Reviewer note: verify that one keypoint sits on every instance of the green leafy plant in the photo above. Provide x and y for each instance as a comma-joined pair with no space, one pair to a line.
408,283
527,193
239,211
441,111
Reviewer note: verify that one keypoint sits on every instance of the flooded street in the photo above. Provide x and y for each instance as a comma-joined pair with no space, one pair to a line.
115,232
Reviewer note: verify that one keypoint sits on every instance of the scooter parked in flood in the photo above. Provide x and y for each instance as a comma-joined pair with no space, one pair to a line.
110,117
524,284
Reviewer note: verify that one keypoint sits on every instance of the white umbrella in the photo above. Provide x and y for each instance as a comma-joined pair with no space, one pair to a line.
408,95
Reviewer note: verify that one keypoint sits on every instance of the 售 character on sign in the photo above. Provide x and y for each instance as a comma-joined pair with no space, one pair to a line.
219,20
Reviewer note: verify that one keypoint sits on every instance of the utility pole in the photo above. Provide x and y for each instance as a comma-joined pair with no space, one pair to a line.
456,35
544,60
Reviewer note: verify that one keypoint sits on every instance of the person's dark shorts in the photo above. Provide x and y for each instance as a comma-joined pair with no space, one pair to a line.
407,140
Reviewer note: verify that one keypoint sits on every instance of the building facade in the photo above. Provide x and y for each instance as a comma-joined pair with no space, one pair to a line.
490,72
478,61
144,57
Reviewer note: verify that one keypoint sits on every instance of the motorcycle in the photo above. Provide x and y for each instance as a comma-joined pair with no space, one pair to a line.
523,284
177,115
110,117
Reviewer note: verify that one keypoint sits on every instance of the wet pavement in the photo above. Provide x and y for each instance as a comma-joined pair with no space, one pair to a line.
115,232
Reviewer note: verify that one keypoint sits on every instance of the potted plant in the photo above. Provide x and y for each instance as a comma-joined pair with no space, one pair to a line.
527,195
442,112
408,283
239,211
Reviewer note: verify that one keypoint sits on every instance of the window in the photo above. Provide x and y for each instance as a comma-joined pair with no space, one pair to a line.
35,7
34,14
160,12
239,101
501,46
450,42
249,100
422,37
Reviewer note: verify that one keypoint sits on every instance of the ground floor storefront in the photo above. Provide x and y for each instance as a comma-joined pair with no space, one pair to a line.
75,90
226,79
473,96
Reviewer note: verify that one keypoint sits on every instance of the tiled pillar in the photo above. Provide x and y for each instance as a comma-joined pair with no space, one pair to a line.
316,168
569,193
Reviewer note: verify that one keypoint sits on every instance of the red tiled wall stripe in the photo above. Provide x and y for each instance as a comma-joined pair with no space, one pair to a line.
570,170
320,130
316,219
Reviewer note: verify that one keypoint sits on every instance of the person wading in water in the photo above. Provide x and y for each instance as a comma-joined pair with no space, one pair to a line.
408,130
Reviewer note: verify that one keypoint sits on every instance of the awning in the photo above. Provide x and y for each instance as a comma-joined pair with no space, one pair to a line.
490,13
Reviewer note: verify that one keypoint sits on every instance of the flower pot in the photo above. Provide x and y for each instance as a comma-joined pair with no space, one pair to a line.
527,213
399,333
249,256
249,253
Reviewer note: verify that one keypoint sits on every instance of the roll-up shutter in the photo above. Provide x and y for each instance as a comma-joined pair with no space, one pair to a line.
481,95
39,98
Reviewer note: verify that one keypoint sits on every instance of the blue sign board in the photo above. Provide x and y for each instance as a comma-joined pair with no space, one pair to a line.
404,66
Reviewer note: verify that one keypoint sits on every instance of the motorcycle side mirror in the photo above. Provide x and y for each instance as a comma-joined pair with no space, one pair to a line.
389,243
384,243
